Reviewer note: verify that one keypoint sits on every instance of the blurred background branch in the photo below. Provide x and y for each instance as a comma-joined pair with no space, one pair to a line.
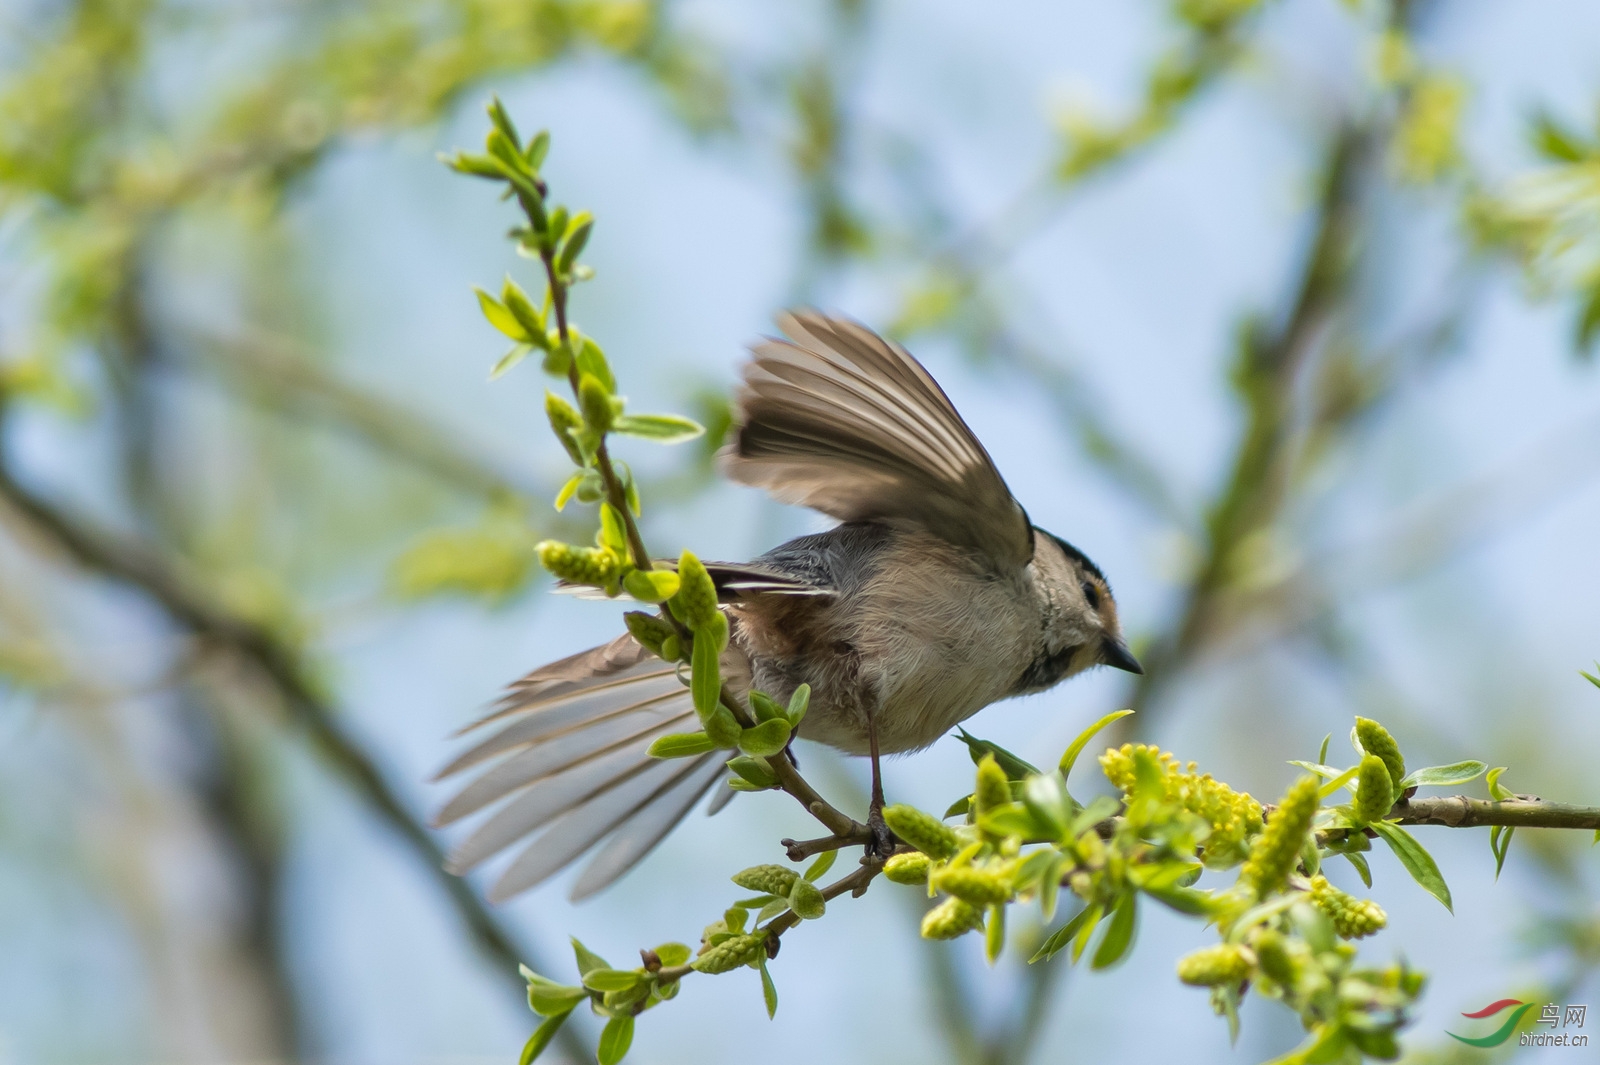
240,386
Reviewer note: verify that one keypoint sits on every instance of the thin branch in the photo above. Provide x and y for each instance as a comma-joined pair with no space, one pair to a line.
266,369
130,564
1524,811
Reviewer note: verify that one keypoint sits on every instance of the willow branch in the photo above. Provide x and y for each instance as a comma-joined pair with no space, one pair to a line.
1524,811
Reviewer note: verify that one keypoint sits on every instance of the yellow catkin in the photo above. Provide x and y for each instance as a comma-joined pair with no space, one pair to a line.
1234,817
1276,850
1352,918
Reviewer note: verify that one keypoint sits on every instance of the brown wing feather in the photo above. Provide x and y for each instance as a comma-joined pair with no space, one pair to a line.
838,419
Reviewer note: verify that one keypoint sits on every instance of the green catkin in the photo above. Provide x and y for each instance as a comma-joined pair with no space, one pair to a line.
1375,739
696,602
767,879
907,868
1276,850
1225,963
974,884
1352,918
923,831
730,954
950,919
993,789
1374,790
580,565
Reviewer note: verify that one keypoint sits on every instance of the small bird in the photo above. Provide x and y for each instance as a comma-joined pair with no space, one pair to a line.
933,598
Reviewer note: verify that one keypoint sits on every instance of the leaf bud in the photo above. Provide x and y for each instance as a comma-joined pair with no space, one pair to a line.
806,900
595,401
649,631
1215,966
563,420
923,831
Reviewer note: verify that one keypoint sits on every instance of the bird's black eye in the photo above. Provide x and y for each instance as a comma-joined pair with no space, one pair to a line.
1092,594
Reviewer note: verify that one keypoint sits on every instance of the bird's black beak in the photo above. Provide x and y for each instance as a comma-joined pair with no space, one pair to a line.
1115,653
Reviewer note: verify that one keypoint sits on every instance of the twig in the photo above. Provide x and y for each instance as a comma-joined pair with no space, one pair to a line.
1524,811
188,607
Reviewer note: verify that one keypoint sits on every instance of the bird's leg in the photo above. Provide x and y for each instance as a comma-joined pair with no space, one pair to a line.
883,840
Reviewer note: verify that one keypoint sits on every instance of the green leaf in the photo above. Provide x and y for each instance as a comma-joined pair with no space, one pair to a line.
1498,791
501,318
1070,758
1590,677
1362,869
548,998
615,1039
1418,862
1045,795
1058,940
994,934
1119,933
502,120
766,708
769,990
754,770
591,360
1500,845
651,586
799,703
1440,776
673,953
705,678
1322,753
1324,771
612,979
522,309
662,428
541,1037
588,960
577,236
565,495
766,739
821,866
1015,768
508,360
682,745
1338,782
538,148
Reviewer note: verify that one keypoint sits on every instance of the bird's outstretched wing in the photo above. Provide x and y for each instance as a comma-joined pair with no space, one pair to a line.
845,422
568,765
